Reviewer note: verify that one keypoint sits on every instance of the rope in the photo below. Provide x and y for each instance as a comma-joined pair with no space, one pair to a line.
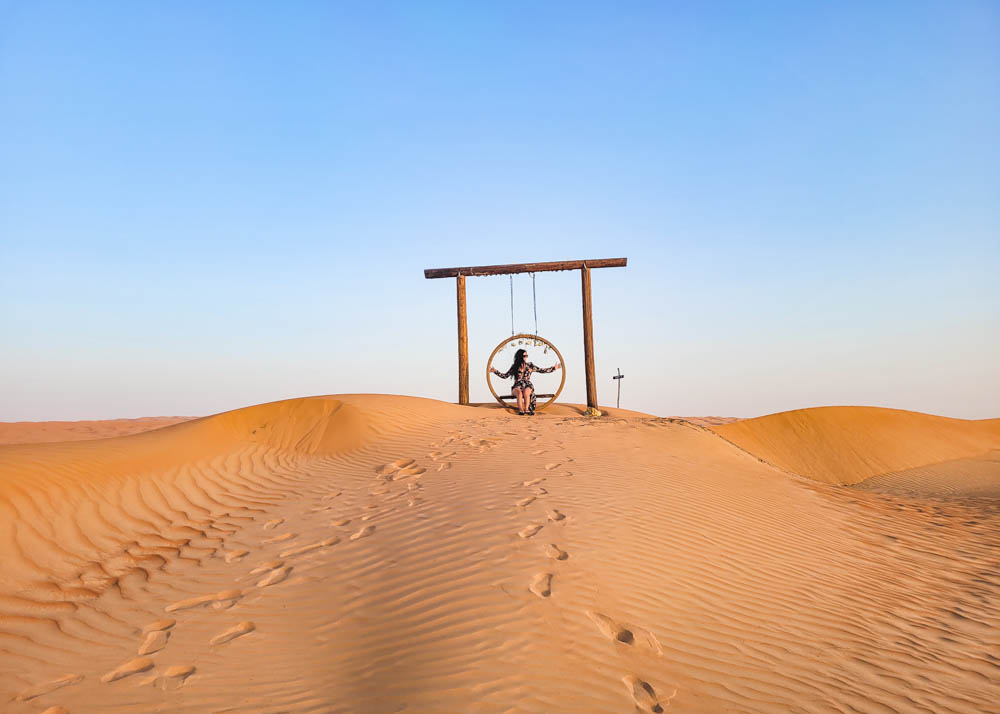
534,302
511,304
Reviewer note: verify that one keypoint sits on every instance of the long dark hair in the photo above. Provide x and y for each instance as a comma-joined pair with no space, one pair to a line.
520,357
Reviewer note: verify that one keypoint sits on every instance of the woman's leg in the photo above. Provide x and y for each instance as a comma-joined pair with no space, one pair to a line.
516,391
529,400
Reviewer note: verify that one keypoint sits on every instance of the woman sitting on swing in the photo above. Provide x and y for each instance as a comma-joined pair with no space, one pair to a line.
523,390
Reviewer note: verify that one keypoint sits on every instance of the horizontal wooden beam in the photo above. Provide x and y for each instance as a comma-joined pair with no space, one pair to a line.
525,267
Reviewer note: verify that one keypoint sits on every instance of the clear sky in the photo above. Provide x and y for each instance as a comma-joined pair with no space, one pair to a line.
210,205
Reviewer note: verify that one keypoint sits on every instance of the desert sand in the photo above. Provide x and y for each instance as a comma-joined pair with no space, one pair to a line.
35,432
890,448
373,553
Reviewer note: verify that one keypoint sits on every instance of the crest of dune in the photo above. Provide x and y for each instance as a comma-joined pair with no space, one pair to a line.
846,445
27,432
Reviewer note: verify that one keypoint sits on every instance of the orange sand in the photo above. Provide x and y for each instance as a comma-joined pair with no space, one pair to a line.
32,432
368,553
846,445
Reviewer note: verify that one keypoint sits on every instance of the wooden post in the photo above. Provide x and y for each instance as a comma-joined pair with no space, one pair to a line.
463,342
588,342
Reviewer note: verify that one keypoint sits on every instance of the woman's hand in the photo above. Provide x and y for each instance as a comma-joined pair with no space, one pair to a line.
558,365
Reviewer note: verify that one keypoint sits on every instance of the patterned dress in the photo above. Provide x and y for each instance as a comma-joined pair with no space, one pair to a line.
522,380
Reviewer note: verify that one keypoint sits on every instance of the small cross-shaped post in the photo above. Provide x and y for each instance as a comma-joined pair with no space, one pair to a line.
619,378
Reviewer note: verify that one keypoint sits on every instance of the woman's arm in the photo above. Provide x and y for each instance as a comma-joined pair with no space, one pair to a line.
544,370
501,375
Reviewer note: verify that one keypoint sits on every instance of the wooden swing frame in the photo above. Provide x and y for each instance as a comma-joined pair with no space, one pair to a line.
584,266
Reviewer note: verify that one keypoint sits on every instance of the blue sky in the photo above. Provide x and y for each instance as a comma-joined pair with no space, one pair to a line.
209,205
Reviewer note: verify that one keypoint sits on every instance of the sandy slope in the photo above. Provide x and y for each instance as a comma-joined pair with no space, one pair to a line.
33,432
846,445
377,554
959,478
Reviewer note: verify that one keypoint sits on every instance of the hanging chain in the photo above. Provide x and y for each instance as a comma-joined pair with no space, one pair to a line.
511,304
534,303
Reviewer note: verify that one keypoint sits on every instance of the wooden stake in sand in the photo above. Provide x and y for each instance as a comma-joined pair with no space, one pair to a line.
584,266
619,377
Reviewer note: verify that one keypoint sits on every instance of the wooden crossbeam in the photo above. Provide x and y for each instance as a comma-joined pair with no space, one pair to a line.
430,273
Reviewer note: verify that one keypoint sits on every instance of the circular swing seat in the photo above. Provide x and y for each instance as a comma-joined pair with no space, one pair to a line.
538,342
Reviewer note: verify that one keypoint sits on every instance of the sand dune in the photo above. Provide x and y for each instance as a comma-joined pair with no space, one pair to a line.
958,478
368,553
846,445
33,432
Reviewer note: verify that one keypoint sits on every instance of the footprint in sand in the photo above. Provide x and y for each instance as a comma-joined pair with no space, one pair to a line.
219,600
50,686
274,523
56,710
643,694
364,532
154,642
539,452
540,490
332,495
393,466
164,624
649,639
406,473
234,555
381,491
340,522
280,538
611,629
139,664
529,531
274,577
525,501
533,482
444,466
629,635
549,467
555,515
555,552
301,550
267,566
233,632
174,677
541,584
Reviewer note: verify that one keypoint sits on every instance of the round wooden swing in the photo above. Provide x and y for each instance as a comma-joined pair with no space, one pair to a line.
538,342
525,339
